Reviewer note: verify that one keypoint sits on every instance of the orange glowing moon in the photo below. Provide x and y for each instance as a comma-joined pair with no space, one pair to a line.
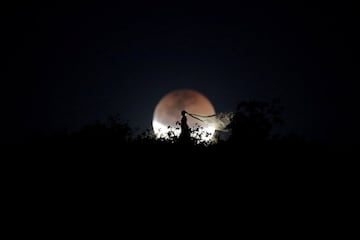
168,111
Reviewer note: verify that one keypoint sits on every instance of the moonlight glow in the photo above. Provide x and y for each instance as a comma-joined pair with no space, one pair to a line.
162,131
168,112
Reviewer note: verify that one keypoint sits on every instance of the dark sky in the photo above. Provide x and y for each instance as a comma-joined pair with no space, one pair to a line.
67,66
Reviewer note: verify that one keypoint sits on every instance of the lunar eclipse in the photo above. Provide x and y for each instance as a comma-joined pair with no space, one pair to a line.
168,112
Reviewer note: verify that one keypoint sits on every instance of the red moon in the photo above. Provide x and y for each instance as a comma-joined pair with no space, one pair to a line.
168,110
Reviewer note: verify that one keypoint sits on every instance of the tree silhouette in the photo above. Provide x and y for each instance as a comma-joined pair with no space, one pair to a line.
251,135
254,121
114,131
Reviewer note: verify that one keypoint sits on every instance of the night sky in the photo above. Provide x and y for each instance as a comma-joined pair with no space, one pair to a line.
68,66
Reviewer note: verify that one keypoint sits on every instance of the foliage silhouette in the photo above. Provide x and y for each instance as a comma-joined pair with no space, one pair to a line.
252,123
254,120
250,135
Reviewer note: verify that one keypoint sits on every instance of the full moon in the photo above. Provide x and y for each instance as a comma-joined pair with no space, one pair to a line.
168,112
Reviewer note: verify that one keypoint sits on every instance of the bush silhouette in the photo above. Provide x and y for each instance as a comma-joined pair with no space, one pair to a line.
250,131
254,120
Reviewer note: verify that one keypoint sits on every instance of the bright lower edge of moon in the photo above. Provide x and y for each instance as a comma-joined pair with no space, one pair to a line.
162,131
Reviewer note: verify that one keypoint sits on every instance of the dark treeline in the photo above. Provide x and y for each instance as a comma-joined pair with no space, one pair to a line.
252,161
250,135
